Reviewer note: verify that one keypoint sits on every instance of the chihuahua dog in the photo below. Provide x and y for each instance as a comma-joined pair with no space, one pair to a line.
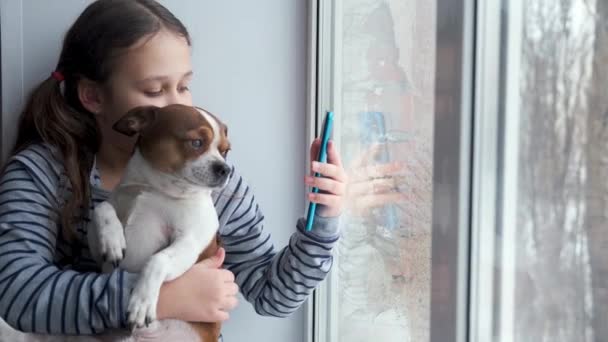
161,219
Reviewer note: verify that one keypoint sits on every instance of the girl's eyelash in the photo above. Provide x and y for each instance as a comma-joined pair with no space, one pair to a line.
160,92
153,93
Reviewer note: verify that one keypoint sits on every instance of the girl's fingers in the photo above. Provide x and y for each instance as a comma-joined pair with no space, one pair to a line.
333,157
221,316
330,171
331,205
329,200
232,289
230,303
314,149
326,184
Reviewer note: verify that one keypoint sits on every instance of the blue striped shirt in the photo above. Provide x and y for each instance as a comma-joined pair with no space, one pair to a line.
50,286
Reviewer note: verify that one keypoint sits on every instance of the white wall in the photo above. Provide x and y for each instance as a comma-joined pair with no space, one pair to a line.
250,67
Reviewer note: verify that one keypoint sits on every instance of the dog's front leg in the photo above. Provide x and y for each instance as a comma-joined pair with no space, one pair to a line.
107,237
165,265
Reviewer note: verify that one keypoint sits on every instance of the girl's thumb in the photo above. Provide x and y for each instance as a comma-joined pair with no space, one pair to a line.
215,261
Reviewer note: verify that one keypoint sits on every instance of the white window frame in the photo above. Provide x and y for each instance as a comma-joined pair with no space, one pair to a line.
324,46
496,148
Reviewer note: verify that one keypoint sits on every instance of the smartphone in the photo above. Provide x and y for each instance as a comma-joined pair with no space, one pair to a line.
328,122
373,131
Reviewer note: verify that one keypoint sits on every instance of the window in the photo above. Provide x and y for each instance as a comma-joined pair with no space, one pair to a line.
498,110
383,84
549,275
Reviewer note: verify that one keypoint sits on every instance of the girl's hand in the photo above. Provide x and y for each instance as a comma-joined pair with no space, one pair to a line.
332,185
205,293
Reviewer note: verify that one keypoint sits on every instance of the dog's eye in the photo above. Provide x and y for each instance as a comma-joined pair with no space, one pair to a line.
196,144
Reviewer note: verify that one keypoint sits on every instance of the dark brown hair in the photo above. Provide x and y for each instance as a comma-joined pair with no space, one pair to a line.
90,47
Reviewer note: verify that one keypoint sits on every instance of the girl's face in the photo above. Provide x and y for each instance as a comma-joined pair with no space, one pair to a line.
155,71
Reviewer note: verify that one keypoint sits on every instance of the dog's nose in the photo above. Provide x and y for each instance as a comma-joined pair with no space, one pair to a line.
221,169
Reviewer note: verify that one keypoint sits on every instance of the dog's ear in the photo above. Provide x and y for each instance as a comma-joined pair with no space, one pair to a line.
224,128
222,125
136,120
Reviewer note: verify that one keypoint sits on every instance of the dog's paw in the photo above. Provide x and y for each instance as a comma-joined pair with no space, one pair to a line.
113,249
111,236
142,305
112,244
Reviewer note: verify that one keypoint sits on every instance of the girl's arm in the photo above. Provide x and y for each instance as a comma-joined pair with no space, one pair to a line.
36,295
275,283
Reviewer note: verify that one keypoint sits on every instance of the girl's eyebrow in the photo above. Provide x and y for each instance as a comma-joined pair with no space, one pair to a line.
162,78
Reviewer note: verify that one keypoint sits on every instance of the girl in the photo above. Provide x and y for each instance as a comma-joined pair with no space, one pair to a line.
120,54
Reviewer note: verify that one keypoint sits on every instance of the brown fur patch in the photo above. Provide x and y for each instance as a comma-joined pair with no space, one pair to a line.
209,332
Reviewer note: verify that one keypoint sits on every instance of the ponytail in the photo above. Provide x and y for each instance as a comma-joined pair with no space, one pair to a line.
48,118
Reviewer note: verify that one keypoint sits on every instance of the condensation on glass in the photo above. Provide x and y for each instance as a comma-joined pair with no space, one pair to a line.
384,257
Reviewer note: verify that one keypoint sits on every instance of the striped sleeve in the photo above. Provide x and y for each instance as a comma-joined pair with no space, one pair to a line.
277,283
36,295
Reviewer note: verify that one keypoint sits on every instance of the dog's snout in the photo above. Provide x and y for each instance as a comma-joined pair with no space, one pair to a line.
212,174
221,169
